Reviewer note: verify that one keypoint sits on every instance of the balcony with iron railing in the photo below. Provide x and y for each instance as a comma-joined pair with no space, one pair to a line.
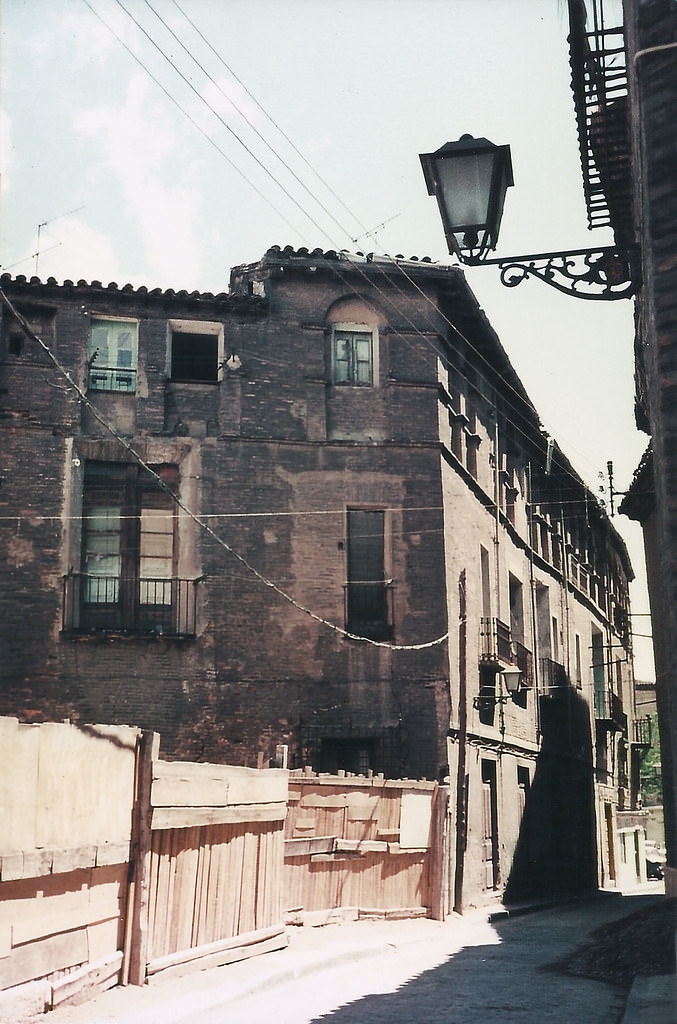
133,606
498,649
642,732
609,710
111,378
495,645
368,608
554,680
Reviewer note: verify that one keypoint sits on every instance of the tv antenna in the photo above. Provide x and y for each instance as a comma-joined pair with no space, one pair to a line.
43,224
374,231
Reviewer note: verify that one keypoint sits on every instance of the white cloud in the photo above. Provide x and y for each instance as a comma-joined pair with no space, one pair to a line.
71,250
138,148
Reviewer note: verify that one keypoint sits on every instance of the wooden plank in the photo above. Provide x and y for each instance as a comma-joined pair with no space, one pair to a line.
244,785
415,819
43,918
250,941
323,800
361,845
188,791
304,847
38,959
38,863
73,859
85,784
87,982
187,817
147,752
112,853
11,866
18,784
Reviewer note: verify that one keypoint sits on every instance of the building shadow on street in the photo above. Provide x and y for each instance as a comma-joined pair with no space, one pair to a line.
511,973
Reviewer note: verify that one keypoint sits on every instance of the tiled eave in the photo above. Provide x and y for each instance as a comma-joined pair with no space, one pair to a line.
119,296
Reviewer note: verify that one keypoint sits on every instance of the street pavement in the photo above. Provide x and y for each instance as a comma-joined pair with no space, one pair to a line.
497,969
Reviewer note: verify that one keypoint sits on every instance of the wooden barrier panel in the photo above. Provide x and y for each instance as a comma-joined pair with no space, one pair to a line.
363,845
215,847
65,786
66,795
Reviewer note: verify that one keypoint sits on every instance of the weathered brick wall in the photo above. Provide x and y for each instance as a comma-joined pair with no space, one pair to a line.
259,666
650,27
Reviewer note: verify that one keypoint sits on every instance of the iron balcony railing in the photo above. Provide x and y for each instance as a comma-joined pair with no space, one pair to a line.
497,648
553,678
137,606
111,378
641,732
609,710
495,645
369,609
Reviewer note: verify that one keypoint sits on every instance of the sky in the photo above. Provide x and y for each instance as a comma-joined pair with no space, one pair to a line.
300,122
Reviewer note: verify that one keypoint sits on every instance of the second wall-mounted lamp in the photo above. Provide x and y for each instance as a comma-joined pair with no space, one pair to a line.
469,179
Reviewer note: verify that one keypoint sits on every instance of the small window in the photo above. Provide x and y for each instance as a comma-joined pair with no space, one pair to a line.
195,357
112,355
15,344
352,357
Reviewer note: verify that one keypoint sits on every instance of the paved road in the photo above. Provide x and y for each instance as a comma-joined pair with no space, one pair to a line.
464,971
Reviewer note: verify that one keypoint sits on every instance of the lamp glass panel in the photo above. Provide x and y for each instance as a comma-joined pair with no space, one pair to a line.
465,183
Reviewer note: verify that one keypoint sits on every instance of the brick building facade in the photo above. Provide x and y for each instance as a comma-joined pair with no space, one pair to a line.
624,75
316,517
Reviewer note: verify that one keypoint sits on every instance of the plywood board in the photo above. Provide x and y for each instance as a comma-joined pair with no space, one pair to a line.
19,746
85,784
415,819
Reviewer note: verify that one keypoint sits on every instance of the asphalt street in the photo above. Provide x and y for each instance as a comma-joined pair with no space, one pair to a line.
465,970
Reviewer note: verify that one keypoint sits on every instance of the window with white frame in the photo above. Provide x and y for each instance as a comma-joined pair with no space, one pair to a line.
353,351
195,351
112,354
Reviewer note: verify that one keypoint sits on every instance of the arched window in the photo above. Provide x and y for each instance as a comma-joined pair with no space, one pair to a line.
353,324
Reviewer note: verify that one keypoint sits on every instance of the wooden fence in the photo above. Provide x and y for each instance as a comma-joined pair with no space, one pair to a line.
209,885
365,846
116,865
66,796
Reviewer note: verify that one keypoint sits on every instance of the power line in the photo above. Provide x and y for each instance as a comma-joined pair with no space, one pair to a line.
490,382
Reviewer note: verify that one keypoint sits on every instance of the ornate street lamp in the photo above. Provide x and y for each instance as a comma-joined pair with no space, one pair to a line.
469,179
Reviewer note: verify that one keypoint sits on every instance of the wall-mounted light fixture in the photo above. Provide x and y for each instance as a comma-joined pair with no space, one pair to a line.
512,679
469,179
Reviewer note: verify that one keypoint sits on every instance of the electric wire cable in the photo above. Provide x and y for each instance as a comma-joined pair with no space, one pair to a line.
525,401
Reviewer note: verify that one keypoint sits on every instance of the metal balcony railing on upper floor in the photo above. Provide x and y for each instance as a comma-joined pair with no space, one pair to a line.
609,710
642,732
135,606
497,648
554,680
495,645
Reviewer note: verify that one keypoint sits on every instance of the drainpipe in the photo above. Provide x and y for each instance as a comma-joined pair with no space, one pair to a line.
532,590
461,780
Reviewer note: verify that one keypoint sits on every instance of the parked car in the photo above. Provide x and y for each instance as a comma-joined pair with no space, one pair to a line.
655,859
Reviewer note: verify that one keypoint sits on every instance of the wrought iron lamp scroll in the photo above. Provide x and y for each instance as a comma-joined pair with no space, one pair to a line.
469,179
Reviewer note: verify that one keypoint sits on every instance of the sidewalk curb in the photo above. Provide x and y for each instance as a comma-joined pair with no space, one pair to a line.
314,963
521,909
652,998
